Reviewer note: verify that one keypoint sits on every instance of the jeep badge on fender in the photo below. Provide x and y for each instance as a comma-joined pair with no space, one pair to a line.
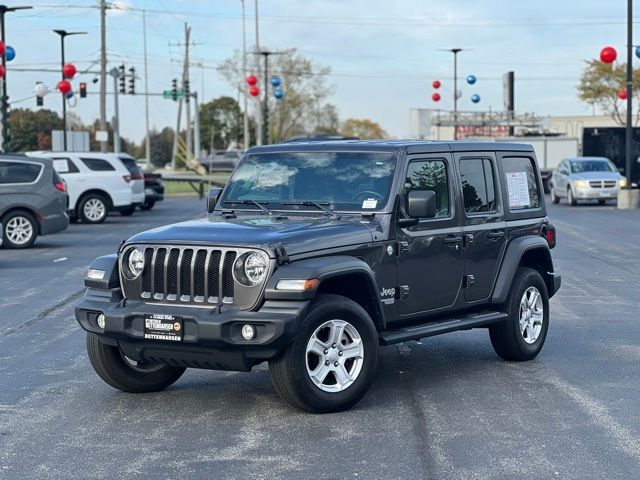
316,254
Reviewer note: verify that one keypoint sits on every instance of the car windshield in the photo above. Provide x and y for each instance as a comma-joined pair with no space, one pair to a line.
581,166
344,181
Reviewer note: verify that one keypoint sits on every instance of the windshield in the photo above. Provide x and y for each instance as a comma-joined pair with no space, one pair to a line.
582,166
341,180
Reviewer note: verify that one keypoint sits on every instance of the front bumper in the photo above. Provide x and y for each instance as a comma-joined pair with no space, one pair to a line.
589,193
211,336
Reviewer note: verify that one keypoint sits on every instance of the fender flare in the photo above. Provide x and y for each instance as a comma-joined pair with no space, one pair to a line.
516,249
324,268
109,265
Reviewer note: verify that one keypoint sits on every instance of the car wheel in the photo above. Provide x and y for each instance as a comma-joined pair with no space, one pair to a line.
127,212
126,374
554,197
147,205
570,198
332,361
522,335
20,230
93,208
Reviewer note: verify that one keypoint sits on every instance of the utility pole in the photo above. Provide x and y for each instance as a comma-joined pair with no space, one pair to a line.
4,98
629,129
115,124
244,76
185,85
257,69
197,146
265,111
455,52
147,142
103,70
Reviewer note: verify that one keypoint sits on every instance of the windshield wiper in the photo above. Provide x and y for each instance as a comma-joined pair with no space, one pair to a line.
318,205
257,203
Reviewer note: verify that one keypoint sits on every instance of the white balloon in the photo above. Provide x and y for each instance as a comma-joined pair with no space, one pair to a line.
41,89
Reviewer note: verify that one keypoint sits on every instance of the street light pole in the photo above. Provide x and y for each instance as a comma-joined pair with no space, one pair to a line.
455,52
4,99
63,34
629,129
265,109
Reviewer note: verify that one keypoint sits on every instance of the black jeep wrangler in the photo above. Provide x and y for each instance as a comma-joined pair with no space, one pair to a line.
315,254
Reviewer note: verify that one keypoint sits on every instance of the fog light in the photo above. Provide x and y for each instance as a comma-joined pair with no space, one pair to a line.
248,332
101,320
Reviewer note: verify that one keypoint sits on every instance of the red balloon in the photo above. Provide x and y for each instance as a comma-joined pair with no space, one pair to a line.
252,80
436,84
2,49
608,54
622,94
435,97
1,71
69,70
64,87
254,91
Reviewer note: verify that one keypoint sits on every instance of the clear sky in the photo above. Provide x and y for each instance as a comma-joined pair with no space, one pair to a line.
384,54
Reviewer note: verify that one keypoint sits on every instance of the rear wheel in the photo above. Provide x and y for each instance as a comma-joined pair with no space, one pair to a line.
127,374
522,335
20,230
93,208
571,198
332,361
127,212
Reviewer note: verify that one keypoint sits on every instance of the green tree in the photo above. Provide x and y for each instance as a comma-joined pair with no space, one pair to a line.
600,85
31,130
305,83
362,128
221,122
161,146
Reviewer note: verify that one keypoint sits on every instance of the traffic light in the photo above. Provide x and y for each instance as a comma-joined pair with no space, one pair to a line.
83,90
132,80
174,89
121,79
186,89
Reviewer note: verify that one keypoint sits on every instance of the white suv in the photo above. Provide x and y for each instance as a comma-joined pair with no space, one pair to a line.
98,183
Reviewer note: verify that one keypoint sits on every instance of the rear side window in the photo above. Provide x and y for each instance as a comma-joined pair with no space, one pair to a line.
130,164
14,172
430,175
521,182
97,165
64,165
478,189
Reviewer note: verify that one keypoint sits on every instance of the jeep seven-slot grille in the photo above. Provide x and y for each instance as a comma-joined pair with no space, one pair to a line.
200,275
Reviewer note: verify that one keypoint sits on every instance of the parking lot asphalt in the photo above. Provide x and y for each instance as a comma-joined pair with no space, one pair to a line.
446,407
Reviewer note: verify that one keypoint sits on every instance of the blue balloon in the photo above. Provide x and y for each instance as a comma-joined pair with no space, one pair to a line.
10,52
278,93
70,94
475,98
638,51
471,79
275,81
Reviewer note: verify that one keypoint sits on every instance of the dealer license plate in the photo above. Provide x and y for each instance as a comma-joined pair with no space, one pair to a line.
159,326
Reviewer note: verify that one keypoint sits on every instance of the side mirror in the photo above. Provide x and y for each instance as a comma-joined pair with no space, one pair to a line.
212,198
420,204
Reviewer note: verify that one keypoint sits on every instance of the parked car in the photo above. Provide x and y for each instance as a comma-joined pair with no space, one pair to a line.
33,200
153,190
97,184
316,254
137,183
585,178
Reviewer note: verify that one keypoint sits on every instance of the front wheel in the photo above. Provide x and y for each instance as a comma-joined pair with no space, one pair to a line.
127,212
554,197
126,374
571,198
20,230
332,361
147,205
522,335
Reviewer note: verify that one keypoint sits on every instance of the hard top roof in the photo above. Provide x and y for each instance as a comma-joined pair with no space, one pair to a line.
410,146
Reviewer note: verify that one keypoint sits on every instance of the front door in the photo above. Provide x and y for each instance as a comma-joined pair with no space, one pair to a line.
483,226
430,253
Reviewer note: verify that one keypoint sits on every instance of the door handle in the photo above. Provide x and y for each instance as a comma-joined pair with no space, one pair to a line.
495,235
452,240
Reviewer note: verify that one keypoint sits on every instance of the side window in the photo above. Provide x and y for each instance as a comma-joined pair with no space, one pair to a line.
478,189
430,175
64,165
522,183
97,165
14,172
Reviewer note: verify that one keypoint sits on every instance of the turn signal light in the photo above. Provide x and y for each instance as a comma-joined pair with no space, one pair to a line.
298,285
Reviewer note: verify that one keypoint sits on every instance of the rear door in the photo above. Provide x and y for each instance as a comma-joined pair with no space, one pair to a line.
483,226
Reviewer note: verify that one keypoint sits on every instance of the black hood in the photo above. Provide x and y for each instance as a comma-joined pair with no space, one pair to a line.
297,234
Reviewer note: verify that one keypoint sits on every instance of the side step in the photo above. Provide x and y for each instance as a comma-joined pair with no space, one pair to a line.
415,332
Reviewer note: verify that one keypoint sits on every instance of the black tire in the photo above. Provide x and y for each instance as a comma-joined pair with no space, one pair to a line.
602,202
554,198
127,212
571,199
97,199
73,218
147,205
288,371
111,366
506,337
20,229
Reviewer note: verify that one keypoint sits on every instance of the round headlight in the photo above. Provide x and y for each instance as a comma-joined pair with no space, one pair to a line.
136,262
250,268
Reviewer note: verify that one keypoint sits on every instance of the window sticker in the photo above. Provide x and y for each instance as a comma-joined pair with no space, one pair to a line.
370,203
518,187
61,166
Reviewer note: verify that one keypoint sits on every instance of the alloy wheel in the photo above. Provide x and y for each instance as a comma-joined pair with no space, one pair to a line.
19,230
94,209
531,315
